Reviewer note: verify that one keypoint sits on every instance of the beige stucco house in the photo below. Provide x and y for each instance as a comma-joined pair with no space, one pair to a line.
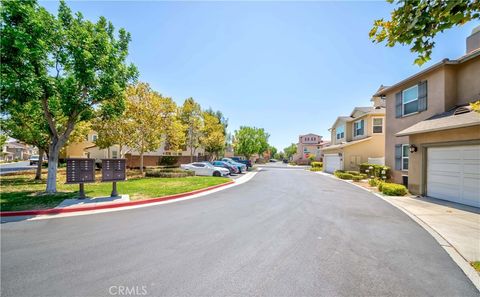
433,138
356,139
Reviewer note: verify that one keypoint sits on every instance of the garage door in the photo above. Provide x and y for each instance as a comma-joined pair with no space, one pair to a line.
453,174
332,162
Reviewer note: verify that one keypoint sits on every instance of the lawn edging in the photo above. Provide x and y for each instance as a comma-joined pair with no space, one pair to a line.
54,211
462,263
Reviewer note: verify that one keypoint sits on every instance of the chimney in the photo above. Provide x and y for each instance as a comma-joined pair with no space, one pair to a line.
473,41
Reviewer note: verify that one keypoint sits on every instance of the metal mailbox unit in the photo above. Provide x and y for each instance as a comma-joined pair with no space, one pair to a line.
113,170
80,171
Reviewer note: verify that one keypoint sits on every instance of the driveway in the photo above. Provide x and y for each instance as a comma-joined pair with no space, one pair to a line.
16,166
287,232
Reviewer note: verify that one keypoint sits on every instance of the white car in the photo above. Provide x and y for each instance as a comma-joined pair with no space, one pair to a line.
206,169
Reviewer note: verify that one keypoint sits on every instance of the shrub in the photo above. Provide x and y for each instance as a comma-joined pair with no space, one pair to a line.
316,169
317,164
343,175
356,178
373,182
376,170
169,173
380,185
353,172
290,163
391,189
168,160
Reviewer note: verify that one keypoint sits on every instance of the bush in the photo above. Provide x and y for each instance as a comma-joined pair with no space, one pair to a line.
317,164
380,185
373,182
169,173
292,163
316,169
343,175
376,170
168,160
391,189
356,178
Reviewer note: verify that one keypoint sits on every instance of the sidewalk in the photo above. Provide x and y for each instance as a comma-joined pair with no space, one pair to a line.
457,224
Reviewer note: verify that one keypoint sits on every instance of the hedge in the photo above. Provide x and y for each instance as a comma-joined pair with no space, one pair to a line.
317,164
343,175
316,169
391,189
376,170
168,160
351,175
169,173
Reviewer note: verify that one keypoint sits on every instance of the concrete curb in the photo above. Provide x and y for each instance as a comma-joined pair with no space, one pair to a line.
464,265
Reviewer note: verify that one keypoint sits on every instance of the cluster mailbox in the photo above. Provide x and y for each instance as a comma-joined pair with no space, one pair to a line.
113,170
80,171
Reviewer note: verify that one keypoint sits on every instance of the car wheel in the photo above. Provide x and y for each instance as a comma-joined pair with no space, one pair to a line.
217,173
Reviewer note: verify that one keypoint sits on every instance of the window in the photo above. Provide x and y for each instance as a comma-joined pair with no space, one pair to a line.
94,137
410,100
377,125
340,131
114,154
358,128
405,152
198,164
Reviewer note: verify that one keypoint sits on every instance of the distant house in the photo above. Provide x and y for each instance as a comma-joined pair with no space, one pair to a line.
357,138
15,150
309,145
88,149
433,137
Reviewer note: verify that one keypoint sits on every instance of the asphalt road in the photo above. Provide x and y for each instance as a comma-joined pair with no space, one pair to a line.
16,166
286,232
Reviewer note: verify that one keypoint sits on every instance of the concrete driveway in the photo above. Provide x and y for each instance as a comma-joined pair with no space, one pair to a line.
287,232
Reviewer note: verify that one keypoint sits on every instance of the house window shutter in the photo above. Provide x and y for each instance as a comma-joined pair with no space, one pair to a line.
422,96
398,157
398,105
362,123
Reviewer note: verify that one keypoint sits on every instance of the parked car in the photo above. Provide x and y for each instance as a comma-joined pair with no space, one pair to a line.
240,160
205,169
233,169
273,160
285,161
35,158
241,167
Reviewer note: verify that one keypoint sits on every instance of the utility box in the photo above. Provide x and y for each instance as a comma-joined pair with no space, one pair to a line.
113,170
80,171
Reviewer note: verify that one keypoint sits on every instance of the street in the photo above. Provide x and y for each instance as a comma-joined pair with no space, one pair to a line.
287,232
16,166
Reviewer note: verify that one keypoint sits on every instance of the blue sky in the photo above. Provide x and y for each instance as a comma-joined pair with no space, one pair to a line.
288,67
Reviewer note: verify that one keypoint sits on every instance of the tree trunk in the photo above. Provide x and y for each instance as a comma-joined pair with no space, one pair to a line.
38,174
54,151
108,153
191,154
141,163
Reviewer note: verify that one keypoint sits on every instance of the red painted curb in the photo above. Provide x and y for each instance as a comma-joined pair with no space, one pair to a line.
51,211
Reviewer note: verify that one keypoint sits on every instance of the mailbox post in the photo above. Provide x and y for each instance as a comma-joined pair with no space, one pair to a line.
80,171
113,170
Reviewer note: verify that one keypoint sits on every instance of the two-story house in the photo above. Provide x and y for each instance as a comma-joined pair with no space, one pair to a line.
358,138
433,137
309,145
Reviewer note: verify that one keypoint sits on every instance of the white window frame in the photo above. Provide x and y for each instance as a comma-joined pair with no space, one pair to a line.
407,157
373,125
404,103
355,129
94,137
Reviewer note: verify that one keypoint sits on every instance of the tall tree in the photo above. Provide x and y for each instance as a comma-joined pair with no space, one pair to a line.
74,67
250,141
191,118
151,116
113,131
290,150
213,135
273,151
417,22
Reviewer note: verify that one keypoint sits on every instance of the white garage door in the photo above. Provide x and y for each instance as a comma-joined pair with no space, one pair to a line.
453,173
332,162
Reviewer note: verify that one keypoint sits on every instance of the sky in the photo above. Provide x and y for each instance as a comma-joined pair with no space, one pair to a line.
288,67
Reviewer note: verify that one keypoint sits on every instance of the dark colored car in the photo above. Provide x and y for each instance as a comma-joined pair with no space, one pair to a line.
231,168
240,160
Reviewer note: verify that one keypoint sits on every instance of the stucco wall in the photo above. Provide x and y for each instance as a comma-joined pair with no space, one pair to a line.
417,166
468,81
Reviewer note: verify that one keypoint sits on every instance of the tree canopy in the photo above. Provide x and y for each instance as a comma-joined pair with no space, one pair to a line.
416,23
250,141
76,69
290,150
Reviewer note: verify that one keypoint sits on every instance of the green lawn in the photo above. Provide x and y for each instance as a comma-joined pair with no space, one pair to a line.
476,265
21,192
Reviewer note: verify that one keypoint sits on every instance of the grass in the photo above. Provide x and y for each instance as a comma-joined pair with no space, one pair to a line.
476,265
21,192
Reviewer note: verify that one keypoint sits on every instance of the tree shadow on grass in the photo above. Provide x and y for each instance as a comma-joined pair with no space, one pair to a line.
28,200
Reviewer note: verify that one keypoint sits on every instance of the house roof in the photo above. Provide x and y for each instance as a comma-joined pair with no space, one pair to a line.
15,145
458,117
382,91
312,134
345,144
